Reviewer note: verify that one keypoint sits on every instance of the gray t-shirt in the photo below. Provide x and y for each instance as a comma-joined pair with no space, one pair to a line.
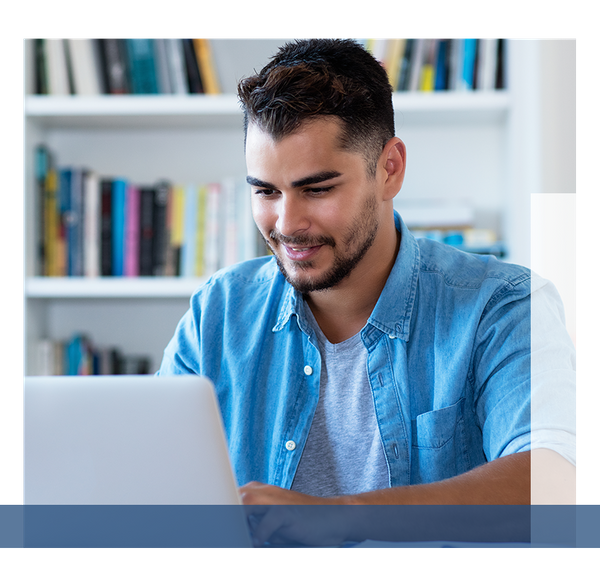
343,454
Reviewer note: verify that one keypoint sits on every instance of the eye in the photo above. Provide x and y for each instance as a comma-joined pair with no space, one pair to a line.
264,192
318,190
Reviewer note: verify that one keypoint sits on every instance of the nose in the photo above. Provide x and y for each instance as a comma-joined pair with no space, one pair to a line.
292,216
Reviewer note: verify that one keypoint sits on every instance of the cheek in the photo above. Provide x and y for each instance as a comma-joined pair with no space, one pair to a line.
262,216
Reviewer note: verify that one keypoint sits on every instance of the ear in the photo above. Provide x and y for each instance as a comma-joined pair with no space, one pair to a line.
393,161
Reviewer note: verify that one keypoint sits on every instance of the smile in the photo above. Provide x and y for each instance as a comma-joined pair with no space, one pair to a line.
301,253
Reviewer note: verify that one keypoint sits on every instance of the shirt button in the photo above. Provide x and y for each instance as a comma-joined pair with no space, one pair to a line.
308,370
290,445
392,336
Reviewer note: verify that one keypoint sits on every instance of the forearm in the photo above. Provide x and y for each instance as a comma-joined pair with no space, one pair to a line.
506,480
503,481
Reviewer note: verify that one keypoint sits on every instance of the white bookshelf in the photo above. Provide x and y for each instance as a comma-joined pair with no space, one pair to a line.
146,111
478,147
111,287
210,111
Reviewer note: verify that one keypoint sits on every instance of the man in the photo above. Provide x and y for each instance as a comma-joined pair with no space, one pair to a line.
358,365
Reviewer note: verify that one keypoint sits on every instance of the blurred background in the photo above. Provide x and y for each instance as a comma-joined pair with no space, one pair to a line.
134,176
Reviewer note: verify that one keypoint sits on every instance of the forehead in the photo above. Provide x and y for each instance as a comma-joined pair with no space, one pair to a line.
313,146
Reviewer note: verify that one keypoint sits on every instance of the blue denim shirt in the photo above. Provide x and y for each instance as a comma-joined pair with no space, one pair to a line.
448,363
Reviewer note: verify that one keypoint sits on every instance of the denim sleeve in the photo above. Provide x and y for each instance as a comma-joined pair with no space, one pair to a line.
552,373
182,354
500,373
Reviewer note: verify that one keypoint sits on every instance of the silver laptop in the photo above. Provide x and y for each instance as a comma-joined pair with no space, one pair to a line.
125,440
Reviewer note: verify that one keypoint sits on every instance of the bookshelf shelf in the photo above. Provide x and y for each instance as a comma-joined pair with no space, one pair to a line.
451,107
111,287
151,111
219,110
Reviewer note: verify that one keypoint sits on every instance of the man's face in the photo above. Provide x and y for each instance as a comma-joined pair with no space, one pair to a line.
314,204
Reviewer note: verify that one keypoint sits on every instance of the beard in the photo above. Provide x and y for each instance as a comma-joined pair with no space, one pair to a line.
355,243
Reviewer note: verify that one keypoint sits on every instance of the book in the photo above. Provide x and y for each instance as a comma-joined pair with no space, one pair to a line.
175,230
160,234
191,67
91,224
146,230
206,66
176,66
466,81
86,73
56,67
182,66
106,241
212,257
51,225
102,226
42,165
162,67
132,232
142,66
119,220
487,64
113,59
440,64
79,356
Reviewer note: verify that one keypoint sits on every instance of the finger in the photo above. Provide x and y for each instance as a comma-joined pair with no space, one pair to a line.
270,524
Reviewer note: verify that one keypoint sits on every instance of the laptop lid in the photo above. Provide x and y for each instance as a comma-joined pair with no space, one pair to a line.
127,440
127,461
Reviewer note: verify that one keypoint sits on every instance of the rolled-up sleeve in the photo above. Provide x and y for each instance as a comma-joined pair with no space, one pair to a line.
501,372
524,367
553,375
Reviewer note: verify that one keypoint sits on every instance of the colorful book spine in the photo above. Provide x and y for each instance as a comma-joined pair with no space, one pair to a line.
142,66
440,64
200,239
119,191
188,252
206,66
146,230
468,69
132,232
91,224
107,227
79,356
188,66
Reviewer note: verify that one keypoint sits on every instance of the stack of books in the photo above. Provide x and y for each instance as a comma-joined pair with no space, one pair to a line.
429,65
124,66
92,226
78,356
187,66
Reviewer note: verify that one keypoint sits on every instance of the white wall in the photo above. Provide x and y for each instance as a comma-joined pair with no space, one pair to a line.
557,110
553,246
553,209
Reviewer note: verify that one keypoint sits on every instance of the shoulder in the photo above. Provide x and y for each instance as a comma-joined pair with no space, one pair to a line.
241,283
458,269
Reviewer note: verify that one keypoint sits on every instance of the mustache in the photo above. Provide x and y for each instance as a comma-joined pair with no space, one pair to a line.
300,241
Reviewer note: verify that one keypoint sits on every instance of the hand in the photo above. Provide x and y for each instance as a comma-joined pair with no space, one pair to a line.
255,493
280,516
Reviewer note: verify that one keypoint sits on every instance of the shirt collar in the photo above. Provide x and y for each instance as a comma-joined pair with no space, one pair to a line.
393,311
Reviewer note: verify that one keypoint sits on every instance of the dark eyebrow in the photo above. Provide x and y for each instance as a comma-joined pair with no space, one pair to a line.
259,184
317,178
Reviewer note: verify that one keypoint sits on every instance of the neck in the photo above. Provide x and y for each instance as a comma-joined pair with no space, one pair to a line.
343,310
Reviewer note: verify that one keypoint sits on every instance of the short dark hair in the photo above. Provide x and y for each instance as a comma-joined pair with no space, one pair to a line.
311,78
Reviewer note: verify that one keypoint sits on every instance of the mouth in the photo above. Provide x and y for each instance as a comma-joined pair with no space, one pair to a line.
301,253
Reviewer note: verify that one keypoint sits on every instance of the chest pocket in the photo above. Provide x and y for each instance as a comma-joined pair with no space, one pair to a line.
438,444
